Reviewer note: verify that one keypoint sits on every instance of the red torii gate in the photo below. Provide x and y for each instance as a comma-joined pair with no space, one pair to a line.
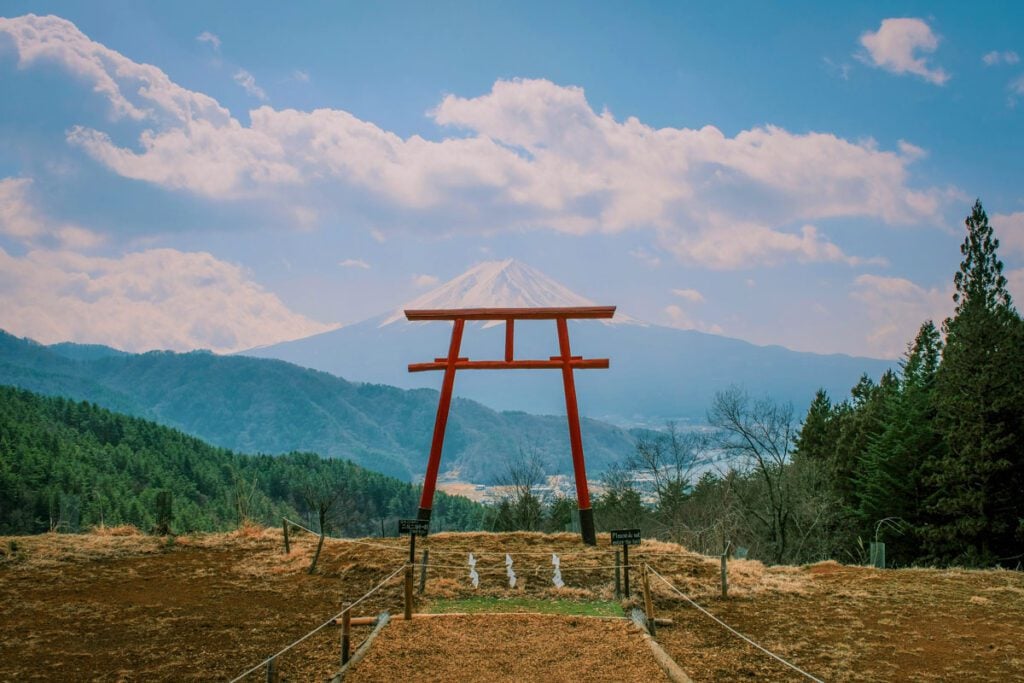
565,361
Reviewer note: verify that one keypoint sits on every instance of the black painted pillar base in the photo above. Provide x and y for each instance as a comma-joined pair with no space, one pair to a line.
423,514
587,526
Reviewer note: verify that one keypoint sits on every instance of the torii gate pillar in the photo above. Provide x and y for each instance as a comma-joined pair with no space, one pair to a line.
564,361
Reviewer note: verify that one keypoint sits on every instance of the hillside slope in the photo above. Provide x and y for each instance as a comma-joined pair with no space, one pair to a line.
258,405
68,466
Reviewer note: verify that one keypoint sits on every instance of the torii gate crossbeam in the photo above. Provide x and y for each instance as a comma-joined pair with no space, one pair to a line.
565,361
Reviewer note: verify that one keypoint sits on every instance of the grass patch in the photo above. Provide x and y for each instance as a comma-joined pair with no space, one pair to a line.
594,608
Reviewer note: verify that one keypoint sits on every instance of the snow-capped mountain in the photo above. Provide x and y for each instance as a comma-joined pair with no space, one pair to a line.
499,284
656,372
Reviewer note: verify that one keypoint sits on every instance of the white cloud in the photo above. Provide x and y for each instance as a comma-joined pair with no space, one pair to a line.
1016,86
159,298
52,39
378,235
679,318
896,308
211,38
911,151
691,295
248,83
22,220
996,57
1015,285
1009,229
354,263
896,47
424,281
645,256
530,154
300,76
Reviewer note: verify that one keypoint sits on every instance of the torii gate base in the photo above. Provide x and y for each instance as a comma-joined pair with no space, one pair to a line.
565,361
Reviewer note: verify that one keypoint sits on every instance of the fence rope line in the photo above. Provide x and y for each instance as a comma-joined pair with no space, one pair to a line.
440,551
684,596
321,627
542,568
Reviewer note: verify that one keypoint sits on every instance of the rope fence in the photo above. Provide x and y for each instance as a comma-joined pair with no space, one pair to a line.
524,568
726,626
474,558
329,622
404,548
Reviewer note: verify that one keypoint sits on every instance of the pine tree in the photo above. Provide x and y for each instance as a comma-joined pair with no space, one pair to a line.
890,480
977,502
816,440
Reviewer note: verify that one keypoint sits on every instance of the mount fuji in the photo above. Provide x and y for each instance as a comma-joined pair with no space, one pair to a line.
656,372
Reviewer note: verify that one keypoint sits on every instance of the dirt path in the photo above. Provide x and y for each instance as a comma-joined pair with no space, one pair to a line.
489,647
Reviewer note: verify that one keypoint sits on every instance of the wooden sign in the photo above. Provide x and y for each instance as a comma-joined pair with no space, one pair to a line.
626,537
417,527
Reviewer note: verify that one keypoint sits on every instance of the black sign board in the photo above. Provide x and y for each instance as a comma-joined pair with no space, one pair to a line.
419,527
626,537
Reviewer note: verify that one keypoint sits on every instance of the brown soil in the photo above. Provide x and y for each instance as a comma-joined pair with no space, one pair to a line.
858,624
126,608
85,608
485,648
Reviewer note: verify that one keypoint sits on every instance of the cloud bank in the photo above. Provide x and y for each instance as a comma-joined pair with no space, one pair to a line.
153,299
530,154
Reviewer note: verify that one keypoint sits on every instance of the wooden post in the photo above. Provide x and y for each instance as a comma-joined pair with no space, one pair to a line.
408,592
648,604
423,571
625,567
346,636
272,676
618,577
725,576
287,545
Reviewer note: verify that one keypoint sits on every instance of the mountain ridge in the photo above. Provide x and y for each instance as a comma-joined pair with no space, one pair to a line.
271,406
656,372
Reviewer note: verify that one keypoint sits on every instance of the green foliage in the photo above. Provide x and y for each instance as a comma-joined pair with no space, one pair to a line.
940,447
976,503
69,466
256,405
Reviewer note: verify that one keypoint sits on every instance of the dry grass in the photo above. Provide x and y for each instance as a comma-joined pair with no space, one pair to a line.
487,648
118,530
208,606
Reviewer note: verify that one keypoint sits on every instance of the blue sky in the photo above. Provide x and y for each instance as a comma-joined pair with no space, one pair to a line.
226,175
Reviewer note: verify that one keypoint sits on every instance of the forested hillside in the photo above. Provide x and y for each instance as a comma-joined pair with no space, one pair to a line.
70,465
269,406
929,460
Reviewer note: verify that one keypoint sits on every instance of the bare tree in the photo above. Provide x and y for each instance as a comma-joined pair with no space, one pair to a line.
320,494
523,505
668,460
712,517
243,495
756,436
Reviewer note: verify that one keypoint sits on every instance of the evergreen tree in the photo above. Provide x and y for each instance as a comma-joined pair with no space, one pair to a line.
889,483
816,440
977,503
